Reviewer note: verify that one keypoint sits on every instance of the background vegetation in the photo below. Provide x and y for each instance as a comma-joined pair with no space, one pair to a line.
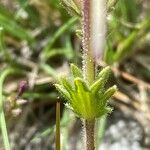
38,39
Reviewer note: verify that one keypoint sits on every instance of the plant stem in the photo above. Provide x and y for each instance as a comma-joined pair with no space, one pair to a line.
88,68
90,134
88,59
93,27
58,126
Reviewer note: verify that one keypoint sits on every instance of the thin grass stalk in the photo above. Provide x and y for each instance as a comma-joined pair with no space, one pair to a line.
57,142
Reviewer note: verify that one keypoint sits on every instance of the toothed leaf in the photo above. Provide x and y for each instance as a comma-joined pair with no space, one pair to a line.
104,111
108,109
98,86
104,73
76,71
109,93
63,92
80,85
71,7
67,85
87,102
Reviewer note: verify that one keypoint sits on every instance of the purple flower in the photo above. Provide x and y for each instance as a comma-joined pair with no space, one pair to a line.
23,85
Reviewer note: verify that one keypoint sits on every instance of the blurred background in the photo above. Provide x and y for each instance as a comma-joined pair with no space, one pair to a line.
38,40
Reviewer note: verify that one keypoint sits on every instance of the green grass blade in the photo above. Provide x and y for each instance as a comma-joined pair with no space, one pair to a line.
76,71
3,48
49,70
3,127
14,29
59,32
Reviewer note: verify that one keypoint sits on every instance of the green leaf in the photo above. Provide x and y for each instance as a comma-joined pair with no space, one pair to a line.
98,86
87,102
79,33
108,110
71,7
80,85
76,71
103,111
105,73
63,92
67,85
81,99
100,83
107,95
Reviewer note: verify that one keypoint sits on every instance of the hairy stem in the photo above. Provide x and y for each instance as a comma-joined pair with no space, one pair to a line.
88,59
93,27
88,67
90,134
